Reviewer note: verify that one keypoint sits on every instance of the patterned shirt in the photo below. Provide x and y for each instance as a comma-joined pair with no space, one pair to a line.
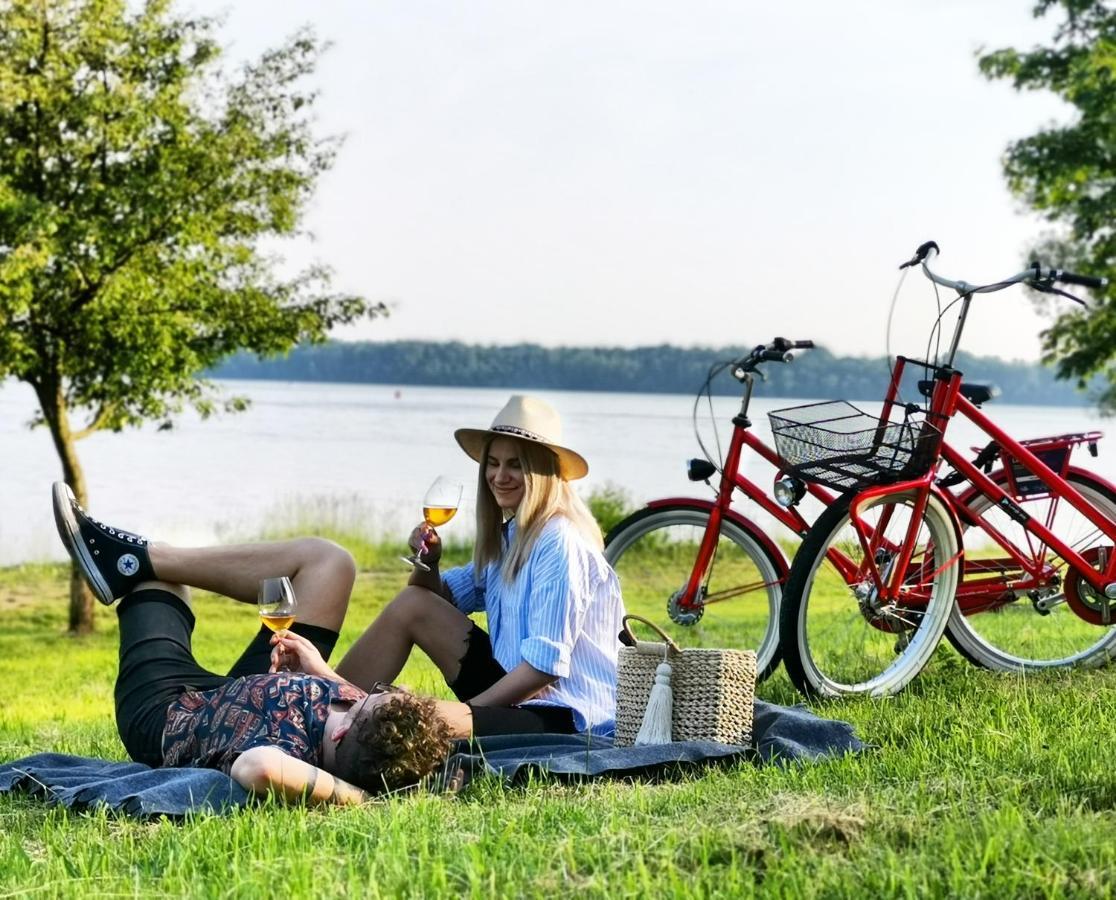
562,615
288,710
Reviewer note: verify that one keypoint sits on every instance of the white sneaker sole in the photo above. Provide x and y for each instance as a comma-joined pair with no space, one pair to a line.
70,534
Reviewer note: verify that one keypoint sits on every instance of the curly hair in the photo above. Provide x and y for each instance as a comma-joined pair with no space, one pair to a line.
399,743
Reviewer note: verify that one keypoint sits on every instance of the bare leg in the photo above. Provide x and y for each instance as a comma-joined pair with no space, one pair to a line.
179,590
415,618
321,572
457,716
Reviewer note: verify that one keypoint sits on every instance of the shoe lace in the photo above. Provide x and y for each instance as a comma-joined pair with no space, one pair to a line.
112,531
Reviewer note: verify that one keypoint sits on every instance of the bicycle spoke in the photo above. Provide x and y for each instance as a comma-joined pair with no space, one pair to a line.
655,554
1025,620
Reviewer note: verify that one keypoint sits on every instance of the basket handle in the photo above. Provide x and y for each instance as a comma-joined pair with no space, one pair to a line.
633,642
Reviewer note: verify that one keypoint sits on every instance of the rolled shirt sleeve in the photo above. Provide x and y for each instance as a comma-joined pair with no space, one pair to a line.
468,596
556,609
560,614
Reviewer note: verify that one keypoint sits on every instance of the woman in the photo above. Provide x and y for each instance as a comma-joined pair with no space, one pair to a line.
553,603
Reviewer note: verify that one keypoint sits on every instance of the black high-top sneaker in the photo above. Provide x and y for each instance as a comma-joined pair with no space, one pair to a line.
112,561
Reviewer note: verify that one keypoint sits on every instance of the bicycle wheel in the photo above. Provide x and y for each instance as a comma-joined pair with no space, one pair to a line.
1040,632
840,637
653,553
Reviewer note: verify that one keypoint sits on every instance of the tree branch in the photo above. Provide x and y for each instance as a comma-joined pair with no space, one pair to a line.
106,412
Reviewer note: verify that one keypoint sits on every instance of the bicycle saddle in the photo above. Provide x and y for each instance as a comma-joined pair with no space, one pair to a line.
974,393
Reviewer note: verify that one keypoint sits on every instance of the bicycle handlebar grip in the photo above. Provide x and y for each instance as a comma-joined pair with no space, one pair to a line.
921,254
775,355
803,345
1084,280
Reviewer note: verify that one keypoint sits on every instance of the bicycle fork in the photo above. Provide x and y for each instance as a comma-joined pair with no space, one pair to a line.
886,575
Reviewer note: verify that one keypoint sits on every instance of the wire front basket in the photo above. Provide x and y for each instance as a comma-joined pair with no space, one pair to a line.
839,446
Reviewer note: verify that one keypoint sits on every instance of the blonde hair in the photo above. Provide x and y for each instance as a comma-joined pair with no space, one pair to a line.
545,495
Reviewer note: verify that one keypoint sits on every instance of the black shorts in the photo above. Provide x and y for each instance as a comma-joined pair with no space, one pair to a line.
157,666
479,671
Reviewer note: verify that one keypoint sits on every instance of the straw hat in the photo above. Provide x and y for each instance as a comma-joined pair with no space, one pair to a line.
528,419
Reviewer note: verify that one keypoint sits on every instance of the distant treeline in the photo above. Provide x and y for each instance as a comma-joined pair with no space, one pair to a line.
664,369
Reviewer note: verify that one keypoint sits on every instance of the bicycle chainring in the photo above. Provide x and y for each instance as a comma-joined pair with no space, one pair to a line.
690,616
1082,598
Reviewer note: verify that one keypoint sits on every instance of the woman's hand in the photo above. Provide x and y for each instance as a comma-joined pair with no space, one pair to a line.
293,653
425,533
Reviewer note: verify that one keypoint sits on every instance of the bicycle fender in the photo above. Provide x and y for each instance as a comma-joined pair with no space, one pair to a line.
944,497
1000,476
743,523
1091,476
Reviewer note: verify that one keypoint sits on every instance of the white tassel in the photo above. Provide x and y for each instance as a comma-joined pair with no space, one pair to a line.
656,726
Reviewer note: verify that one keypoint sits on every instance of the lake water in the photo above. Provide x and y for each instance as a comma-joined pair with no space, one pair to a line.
362,456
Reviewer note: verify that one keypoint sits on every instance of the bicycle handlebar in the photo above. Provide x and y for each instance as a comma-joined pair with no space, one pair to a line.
777,351
1032,275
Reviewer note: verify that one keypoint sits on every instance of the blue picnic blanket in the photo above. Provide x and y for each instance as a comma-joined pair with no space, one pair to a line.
782,735
80,782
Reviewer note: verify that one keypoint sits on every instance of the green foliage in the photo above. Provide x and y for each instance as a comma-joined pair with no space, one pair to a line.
659,369
136,182
609,504
1068,172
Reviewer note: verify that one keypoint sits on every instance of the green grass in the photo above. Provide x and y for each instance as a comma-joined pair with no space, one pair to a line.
980,785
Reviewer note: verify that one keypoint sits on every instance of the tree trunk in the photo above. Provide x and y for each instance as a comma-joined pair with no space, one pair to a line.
52,402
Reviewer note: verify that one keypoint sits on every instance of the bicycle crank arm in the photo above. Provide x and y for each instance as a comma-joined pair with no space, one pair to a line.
729,593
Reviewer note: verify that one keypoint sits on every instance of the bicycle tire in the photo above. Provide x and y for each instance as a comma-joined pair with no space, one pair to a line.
1007,638
836,643
653,552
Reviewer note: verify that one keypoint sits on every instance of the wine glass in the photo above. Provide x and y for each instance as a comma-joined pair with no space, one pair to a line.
439,505
277,603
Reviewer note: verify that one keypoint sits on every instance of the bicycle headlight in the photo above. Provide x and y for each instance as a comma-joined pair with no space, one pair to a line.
788,491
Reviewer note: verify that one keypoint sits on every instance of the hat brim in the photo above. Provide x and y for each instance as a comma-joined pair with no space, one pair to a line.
571,465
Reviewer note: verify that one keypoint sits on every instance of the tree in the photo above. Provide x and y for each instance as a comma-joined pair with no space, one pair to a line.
1068,174
137,182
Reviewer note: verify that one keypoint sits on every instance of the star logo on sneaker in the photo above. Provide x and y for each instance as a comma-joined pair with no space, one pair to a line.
127,565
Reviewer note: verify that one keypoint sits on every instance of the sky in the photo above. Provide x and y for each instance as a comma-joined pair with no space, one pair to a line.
709,172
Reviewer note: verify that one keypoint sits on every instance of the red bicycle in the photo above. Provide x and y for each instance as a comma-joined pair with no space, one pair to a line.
1010,555
688,553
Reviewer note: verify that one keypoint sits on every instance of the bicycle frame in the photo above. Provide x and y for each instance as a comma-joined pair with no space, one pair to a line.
732,480
909,578
947,401
950,403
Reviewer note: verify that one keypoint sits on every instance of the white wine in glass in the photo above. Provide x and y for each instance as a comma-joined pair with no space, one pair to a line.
438,506
276,599
438,515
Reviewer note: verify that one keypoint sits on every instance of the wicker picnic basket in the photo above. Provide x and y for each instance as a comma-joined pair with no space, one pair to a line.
713,690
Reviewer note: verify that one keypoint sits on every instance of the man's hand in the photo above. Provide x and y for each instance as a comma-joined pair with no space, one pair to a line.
293,653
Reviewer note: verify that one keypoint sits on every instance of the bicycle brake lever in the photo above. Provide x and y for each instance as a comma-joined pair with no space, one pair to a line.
1044,288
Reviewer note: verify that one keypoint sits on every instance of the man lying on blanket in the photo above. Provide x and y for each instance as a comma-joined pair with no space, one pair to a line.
300,735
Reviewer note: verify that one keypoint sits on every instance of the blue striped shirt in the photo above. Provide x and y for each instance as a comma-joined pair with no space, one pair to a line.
562,615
